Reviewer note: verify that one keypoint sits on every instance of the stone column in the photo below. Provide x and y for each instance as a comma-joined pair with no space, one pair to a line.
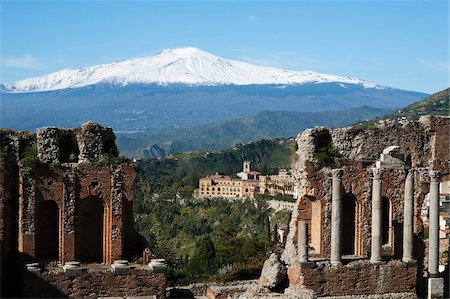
302,242
336,217
375,256
433,239
408,218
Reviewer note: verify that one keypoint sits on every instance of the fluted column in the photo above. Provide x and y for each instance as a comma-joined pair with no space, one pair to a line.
302,241
336,217
433,239
408,218
375,255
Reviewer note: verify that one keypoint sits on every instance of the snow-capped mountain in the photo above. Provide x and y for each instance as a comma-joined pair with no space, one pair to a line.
178,88
174,66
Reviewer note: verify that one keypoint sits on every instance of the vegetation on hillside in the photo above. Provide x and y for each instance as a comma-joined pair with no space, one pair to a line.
211,239
178,174
224,134
208,240
436,104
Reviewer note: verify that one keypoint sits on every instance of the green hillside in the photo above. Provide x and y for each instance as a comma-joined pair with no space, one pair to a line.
211,239
436,104
179,173
224,134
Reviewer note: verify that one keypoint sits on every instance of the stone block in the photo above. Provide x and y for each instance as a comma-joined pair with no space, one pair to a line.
32,269
72,269
273,272
121,267
73,272
435,288
157,265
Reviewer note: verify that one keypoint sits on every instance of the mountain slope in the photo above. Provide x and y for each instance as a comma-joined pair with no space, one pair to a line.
435,104
224,134
148,107
178,88
174,66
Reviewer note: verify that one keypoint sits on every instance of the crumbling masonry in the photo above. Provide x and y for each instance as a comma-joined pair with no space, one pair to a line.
68,200
362,208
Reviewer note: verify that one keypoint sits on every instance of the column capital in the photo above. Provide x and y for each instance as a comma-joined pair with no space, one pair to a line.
337,173
410,174
377,173
434,175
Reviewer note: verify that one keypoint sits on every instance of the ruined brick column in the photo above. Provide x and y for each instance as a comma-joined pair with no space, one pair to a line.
70,196
433,254
375,255
117,214
408,218
336,217
27,219
302,241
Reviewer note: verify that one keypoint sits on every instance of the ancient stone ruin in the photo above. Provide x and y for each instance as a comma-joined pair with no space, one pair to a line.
361,206
66,197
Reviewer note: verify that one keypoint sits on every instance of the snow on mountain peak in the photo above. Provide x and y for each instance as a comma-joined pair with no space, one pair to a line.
188,65
185,51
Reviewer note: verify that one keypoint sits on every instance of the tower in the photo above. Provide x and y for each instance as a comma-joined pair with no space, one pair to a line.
246,166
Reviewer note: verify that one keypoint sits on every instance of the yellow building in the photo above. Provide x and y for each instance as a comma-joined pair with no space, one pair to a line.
220,186
282,183
249,183
225,186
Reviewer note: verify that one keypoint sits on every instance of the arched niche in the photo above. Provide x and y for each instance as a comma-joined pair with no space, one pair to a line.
348,224
310,210
90,230
47,231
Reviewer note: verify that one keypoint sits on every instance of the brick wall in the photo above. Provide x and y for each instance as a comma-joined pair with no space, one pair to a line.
357,278
93,284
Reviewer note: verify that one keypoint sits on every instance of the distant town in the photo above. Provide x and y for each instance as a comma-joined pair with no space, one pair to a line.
246,185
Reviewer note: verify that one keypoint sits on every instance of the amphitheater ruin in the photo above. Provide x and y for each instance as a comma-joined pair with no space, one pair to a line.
72,206
362,210
355,230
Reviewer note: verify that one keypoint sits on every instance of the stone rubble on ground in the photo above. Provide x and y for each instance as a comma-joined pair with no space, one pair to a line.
273,272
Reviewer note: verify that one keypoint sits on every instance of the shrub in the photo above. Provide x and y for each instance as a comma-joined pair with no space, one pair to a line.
54,164
29,159
326,153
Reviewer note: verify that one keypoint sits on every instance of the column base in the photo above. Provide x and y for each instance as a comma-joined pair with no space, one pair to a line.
307,264
435,288
377,261
409,262
336,263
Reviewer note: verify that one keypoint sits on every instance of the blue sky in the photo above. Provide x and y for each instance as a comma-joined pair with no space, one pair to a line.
403,44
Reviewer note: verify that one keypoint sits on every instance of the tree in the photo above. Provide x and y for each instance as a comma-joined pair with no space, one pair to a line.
203,261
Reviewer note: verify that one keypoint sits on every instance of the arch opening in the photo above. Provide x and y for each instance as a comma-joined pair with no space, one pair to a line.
68,148
310,210
47,235
89,237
